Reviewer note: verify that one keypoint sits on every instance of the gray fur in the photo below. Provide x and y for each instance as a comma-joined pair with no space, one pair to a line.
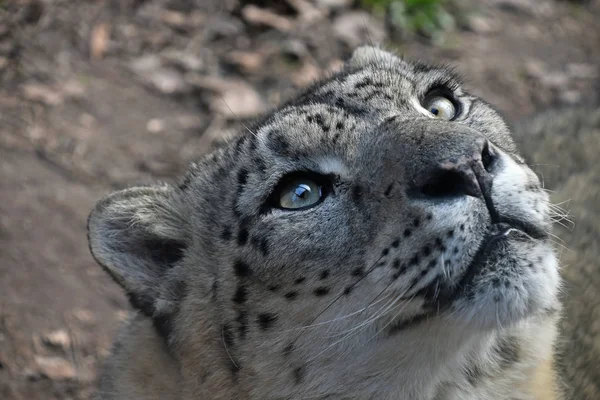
365,295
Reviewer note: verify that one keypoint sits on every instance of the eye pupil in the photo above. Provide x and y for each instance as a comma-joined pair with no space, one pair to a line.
434,111
302,191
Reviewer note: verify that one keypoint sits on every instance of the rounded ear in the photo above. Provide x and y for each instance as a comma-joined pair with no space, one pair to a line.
137,236
366,55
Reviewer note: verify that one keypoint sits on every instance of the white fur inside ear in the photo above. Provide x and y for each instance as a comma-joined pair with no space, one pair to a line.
366,55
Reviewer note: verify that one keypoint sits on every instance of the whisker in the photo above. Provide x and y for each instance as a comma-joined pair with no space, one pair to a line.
334,319
339,296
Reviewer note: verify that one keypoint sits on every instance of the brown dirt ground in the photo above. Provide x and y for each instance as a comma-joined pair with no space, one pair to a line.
98,95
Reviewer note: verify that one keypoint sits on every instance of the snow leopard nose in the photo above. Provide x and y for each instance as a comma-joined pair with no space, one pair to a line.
464,170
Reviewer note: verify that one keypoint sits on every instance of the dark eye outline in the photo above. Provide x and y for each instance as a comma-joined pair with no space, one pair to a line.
442,91
325,183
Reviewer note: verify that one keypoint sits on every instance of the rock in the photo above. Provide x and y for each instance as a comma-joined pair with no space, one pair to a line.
165,80
481,24
536,8
262,16
232,99
306,75
83,315
358,27
155,125
58,339
42,93
583,71
570,96
307,11
99,40
55,368
333,4
222,26
295,49
247,61
184,60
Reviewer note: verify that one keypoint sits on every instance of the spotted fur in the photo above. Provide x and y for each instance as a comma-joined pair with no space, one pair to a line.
426,273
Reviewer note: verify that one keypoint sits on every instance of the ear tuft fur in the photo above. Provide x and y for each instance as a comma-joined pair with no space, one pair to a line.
137,236
367,55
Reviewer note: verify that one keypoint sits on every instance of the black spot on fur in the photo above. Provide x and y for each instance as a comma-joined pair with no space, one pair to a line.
287,350
228,335
339,125
388,190
242,237
241,295
357,192
390,119
266,320
273,288
298,375
335,139
396,264
416,222
396,243
299,280
291,295
348,290
226,234
357,272
407,232
473,374
364,83
415,260
324,274
426,251
321,123
508,351
215,289
385,252
405,324
264,247
321,291
163,325
242,178
278,143
241,269
260,244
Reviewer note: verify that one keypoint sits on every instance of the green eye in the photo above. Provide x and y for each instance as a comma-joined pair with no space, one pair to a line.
299,193
441,107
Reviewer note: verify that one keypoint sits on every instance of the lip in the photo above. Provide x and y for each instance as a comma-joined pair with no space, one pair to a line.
497,232
530,230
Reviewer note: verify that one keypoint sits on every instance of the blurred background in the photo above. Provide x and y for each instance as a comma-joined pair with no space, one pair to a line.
96,95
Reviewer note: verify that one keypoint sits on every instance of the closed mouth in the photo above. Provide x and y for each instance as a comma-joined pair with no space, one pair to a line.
497,233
